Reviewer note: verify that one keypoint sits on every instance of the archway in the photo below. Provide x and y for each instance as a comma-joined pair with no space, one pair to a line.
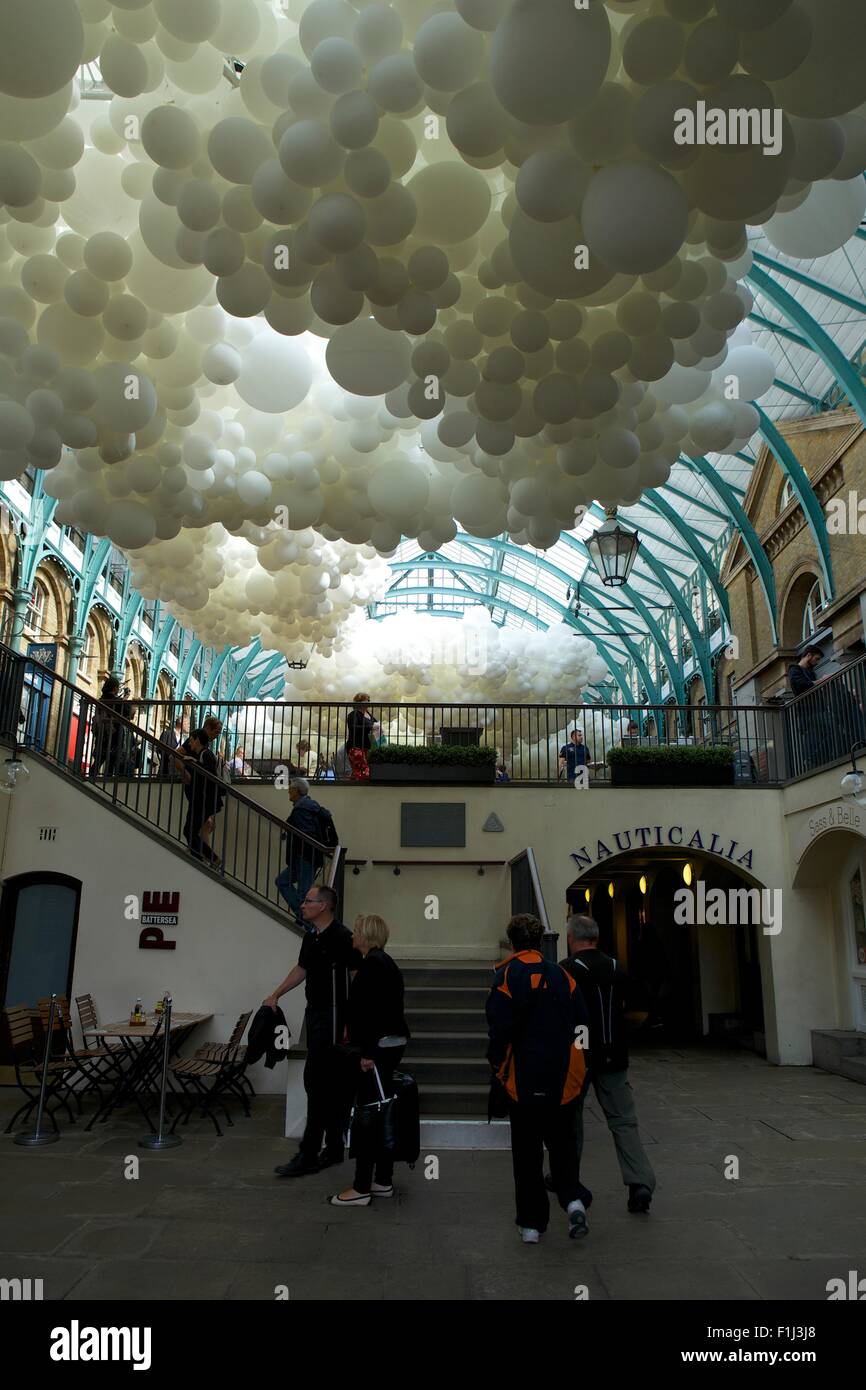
694,966
833,869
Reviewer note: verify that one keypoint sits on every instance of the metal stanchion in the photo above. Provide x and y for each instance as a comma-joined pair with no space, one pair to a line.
37,1139
550,944
163,1140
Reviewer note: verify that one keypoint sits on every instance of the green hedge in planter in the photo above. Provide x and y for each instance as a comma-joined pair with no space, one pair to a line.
672,756
434,755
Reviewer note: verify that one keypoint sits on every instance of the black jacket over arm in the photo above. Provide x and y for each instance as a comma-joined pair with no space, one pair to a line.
376,1002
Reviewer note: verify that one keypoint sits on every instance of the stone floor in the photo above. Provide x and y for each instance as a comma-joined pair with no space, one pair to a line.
210,1221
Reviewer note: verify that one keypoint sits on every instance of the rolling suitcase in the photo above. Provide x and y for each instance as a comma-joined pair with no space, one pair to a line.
407,1137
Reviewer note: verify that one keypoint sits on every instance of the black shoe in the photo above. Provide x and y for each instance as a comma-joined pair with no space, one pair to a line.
639,1198
298,1167
328,1158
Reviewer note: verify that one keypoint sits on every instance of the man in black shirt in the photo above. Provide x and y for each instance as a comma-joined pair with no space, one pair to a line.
326,958
809,718
603,984
801,674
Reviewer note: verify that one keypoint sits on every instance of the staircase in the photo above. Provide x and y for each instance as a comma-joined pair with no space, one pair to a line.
66,731
444,1005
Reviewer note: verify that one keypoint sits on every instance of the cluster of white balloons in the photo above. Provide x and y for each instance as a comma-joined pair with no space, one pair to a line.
288,588
418,657
390,270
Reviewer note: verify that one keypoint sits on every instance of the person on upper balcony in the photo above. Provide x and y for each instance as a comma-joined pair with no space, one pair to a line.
801,675
359,737
572,756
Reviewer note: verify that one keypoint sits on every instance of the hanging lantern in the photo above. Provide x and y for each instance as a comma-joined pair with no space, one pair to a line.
613,550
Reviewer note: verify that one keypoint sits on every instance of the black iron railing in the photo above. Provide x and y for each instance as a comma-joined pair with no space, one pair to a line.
824,723
264,741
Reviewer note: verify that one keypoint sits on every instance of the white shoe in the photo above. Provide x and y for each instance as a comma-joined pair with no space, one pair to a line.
577,1225
359,1200
529,1235
377,1190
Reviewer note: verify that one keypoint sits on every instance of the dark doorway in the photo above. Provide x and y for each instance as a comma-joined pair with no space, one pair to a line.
38,930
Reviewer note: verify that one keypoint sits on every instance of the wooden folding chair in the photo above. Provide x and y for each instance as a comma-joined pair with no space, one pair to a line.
19,1022
89,1063
223,1064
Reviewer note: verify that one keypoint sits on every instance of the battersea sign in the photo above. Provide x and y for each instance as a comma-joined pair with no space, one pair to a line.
663,837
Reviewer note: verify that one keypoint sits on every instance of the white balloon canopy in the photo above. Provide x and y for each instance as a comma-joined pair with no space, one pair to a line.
320,276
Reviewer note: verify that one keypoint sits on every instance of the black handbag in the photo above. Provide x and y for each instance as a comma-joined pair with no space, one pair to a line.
374,1124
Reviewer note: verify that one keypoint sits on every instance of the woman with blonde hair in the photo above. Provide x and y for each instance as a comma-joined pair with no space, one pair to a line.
378,1029
359,736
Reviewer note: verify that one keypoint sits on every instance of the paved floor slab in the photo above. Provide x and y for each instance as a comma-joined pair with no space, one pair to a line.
211,1221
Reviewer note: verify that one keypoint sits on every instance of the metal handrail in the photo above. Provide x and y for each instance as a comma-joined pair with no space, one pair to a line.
536,888
256,855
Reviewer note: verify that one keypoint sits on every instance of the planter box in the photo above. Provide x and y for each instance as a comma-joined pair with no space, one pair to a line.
658,775
426,772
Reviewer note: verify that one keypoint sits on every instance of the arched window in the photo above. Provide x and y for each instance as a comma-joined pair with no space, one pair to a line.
786,495
812,610
35,616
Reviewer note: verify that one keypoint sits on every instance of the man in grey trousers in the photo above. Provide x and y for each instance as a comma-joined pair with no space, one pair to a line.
603,985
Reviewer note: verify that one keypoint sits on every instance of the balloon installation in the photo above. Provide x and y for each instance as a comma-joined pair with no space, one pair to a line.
317,277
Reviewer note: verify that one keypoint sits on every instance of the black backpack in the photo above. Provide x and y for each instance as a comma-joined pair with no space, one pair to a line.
327,835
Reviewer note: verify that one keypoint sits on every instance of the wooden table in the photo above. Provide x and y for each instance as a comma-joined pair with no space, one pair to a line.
142,1045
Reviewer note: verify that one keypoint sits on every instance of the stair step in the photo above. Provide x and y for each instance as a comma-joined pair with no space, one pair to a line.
448,977
449,1070
455,1100
471,1046
460,998
853,1067
450,1020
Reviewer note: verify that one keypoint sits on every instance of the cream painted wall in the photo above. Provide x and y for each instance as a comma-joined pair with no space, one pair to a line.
718,969
228,957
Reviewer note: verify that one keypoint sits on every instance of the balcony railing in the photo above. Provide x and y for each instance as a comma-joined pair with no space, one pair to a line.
772,743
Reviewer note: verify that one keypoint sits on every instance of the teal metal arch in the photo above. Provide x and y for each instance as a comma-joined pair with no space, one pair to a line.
261,678
805,493
763,568
687,532
213,674
483,599
159,649
818,338
242,668
458,567
186,665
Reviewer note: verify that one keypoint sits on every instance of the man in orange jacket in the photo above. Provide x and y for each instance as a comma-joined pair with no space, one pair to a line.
537,1028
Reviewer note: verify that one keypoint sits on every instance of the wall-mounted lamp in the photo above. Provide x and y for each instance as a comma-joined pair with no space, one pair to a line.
854,782
356,870
396,870
13,772
687,875
610,890
641,883
588,895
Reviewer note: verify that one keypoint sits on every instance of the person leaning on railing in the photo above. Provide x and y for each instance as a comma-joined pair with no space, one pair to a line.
359,737
113,743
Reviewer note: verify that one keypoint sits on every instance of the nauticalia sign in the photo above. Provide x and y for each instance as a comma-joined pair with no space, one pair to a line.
660,837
